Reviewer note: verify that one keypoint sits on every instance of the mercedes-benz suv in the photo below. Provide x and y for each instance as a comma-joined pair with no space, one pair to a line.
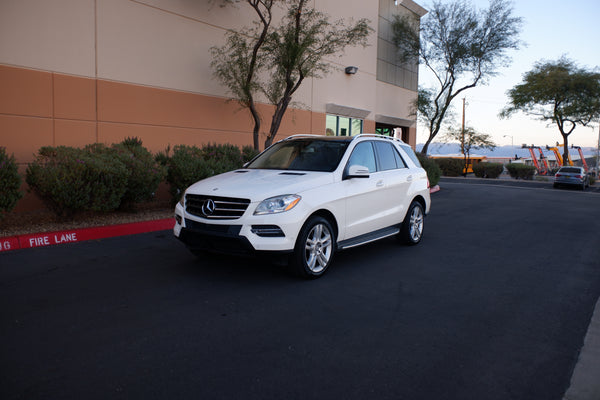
307,197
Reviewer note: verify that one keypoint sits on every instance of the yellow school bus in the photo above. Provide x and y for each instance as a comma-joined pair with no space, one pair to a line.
473,160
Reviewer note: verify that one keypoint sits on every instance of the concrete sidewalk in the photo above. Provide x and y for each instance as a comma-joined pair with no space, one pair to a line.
585,381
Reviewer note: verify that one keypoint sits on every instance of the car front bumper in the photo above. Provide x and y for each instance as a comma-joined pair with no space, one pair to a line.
245,235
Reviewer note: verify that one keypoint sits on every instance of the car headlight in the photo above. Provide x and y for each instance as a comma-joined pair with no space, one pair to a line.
182,200
277,204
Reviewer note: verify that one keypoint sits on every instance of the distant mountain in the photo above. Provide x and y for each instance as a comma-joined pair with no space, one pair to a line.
501,151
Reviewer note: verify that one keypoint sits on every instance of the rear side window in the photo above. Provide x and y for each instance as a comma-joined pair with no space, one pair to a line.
388,156
411,154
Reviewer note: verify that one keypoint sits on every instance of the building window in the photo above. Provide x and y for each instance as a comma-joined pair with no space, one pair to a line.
389,67
343,126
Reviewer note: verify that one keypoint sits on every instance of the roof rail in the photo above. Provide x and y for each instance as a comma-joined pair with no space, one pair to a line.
376,135
379,136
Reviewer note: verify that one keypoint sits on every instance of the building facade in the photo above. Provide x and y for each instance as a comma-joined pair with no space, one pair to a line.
75,72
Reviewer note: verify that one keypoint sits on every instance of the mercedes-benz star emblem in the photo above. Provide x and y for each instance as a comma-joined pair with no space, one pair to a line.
208,207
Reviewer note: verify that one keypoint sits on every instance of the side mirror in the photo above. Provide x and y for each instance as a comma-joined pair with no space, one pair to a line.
357,171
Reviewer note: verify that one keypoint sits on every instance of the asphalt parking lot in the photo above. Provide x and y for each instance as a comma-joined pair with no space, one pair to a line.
494,303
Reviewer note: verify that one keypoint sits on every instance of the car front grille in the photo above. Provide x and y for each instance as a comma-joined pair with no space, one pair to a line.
212,207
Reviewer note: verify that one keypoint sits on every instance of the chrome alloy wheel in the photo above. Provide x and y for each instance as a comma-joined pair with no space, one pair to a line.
416,224
318,248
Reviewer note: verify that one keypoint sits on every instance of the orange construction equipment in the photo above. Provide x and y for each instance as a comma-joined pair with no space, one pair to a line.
541,168
569,160
582,157
559,159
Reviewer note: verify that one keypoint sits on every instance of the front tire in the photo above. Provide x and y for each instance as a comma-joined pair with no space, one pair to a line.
314,248
413,224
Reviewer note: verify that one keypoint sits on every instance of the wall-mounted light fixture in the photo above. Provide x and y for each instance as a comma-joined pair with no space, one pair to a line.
351,70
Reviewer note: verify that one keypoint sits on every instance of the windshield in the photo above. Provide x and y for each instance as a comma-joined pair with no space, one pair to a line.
302,155
570,170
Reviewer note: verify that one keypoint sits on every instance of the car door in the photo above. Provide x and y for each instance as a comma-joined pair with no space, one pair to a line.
395,179
364,195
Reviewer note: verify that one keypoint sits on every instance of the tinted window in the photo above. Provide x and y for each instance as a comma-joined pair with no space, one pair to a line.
570,170
399,161
363,155
302,155
412,155
387,160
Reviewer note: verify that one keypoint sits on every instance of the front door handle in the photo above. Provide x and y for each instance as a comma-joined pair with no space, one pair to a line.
379,184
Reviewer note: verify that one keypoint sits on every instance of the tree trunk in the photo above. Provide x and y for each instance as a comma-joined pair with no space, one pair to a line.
256,131
426,146
566,149
276,120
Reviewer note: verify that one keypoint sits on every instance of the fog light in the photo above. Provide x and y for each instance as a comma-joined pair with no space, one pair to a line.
267,231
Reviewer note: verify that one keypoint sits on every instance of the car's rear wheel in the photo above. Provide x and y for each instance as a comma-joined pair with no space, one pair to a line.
314,248
413,224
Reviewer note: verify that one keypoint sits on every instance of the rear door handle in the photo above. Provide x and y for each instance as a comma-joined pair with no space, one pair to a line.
379,184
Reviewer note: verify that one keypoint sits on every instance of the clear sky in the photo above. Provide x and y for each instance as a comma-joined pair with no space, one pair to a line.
550,29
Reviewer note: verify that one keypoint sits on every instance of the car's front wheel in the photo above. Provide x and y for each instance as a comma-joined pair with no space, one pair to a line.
314,248
413,224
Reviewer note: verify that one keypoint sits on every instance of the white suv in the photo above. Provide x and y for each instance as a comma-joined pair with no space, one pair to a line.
307,197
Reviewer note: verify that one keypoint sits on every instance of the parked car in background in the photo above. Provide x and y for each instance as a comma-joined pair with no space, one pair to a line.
307,197
572,176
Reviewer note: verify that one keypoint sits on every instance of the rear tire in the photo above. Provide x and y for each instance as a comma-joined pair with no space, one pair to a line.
315,248
413,224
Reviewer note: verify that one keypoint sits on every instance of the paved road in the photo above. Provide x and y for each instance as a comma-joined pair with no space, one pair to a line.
494,304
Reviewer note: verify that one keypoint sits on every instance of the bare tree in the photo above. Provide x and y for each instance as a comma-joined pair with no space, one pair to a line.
284,55
237,63
469,139
462,48
297,50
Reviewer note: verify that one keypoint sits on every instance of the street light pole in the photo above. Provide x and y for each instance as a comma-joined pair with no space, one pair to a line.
598,154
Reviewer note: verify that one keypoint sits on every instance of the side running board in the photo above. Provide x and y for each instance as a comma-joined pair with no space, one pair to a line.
369,237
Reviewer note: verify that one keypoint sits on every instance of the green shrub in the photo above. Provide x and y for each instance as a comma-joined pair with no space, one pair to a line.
70,180
451,166
145,173
10,182
433,169
488,170
163,157
521,171
248,153
189,164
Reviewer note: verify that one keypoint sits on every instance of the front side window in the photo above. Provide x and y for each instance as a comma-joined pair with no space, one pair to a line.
363,155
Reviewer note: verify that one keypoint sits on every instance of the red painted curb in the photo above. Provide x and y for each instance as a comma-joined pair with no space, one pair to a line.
83,234
434,189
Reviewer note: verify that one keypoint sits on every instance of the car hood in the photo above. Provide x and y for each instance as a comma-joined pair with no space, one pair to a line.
260,184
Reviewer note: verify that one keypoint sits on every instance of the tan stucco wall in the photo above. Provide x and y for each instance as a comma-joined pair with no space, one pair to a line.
75,72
